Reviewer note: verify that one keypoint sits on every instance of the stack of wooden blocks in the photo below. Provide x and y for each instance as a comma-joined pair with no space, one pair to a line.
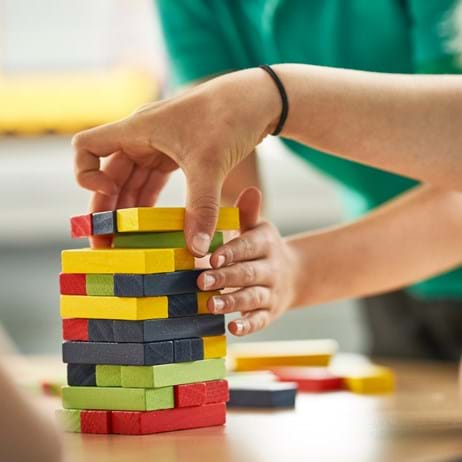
143,353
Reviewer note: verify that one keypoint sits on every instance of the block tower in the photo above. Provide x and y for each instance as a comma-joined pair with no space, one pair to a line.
143,353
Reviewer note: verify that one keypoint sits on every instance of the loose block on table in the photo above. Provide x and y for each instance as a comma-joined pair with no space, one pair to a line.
169,374
266,355
370,379
262,395
144,423
138,261
81,226
311,379
159,240
75,329
119,353
95,422
169,219
81,375
214,346
130,308
113,398
69,419
100,284
72,284
104,222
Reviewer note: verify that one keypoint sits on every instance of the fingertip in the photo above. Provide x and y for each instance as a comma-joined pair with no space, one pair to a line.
217,260
238,327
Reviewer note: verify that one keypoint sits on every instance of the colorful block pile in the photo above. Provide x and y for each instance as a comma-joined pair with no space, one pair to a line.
143,353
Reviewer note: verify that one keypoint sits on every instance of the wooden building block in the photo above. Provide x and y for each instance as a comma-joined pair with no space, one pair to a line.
179,282
266,355
81,375
100,330
100,285
262,395
129,285
161,329
159,240
311,379
190,394
104,222
95,422
214,346
81,226
108,375
75,329
130,308
169,219
118,353
72,284
113,398
69,419
145,423
217,391
188,349
370,379
171,374
182,305
138,261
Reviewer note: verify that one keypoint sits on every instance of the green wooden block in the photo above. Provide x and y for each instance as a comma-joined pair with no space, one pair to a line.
161,240
165,375
108,376
69,419
118,399
100,284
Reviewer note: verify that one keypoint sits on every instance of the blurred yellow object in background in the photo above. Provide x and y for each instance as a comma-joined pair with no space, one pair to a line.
68,102
370,379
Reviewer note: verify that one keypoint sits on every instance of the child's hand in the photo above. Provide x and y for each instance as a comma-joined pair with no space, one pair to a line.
259,263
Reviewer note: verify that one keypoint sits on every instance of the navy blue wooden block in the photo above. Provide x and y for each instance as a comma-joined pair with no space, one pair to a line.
166,329
132,354
100,330
178,282
182,305
197,349
182,350
128,285
104,222
262,395
81,375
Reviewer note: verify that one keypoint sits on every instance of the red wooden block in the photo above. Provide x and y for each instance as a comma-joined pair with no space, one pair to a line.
95,422
217,391
75,329
72,284
181,418
312,379
190,394
81,226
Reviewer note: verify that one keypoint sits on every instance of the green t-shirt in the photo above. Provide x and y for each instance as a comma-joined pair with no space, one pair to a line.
207,37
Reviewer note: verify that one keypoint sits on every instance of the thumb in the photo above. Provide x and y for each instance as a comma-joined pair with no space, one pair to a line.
249,204
202,206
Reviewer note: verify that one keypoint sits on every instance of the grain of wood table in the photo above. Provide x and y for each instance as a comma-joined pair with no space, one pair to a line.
422,421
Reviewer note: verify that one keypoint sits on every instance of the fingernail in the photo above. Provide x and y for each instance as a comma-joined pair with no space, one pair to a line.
220,261
201,243
218,304
239,326
209,281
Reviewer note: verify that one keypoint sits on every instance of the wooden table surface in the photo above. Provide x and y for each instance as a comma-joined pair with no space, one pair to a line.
422,421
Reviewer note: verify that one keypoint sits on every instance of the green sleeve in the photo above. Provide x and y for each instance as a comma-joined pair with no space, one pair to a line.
430,35
193,32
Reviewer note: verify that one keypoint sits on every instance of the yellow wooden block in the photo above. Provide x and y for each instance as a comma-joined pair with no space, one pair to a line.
168,219
370,379
214,347
265,355
138,261
129,308
202,299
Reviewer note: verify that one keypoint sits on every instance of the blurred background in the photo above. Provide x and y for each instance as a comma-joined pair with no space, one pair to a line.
65,66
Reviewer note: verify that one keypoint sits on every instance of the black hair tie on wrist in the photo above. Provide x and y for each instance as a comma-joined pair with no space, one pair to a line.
285,100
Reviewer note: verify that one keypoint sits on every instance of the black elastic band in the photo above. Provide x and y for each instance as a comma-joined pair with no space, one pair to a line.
284,99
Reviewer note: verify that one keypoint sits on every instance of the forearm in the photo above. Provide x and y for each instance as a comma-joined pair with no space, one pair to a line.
404,241
406,124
